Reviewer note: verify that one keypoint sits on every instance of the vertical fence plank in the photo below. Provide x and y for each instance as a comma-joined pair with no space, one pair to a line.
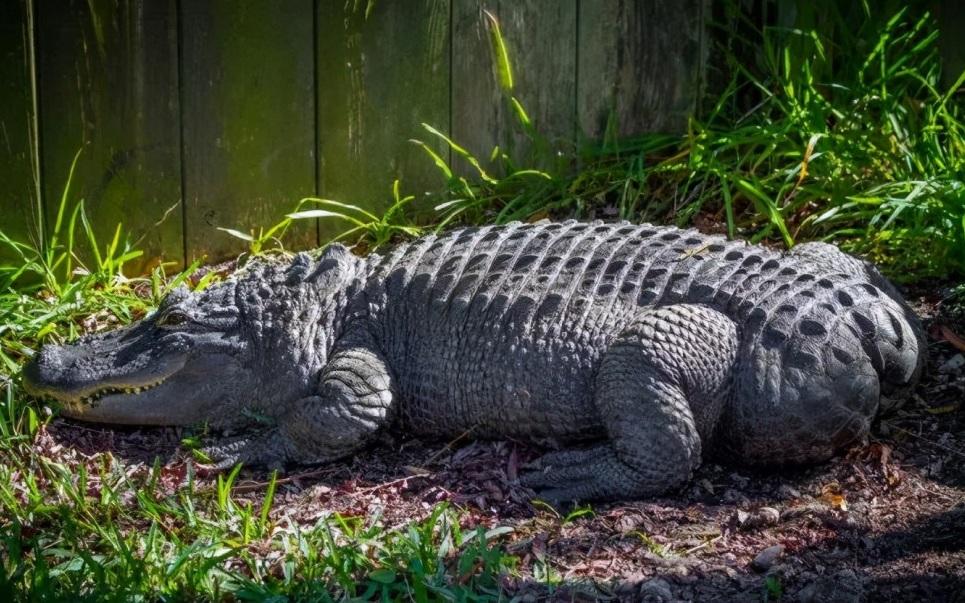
20,207
248,119
380,74
951,42
541,40
108,83
640,65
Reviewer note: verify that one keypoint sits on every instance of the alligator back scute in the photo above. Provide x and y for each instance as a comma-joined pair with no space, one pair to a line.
476,316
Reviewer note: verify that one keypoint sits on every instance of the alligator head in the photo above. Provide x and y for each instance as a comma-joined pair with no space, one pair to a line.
250,343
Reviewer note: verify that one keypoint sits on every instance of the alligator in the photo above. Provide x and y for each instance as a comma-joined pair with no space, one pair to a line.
634,351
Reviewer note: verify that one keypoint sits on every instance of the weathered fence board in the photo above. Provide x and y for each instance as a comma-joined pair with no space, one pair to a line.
19,203
952,18
242,107
640,65
108,84
541,36
248,119
379,75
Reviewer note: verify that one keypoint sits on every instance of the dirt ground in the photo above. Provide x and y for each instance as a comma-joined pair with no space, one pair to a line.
884,522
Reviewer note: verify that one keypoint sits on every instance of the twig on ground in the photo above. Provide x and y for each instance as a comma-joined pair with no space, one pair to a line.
703,545
926,440
252,485
449,446
393,482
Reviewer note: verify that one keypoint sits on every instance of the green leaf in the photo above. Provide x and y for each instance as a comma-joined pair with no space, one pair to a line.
462,153
439,161
500,53
521,113
237,234
766,206
316,213
382,576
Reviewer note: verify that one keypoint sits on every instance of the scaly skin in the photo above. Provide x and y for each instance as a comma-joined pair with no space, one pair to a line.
639,349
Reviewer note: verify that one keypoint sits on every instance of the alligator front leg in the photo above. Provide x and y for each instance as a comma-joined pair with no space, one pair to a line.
659,391
354,400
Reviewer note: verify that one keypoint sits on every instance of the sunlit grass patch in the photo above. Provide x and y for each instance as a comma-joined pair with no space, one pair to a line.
78,528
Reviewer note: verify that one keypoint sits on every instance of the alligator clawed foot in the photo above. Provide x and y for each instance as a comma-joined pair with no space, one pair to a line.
258,450
559,478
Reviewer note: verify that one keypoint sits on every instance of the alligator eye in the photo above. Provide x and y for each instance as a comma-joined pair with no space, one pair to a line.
172,319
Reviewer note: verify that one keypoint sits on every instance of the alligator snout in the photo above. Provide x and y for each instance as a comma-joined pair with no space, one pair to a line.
92,367
64,372
46,374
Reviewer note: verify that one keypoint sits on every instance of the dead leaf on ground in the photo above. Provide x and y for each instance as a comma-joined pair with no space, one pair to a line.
945,333
832,496
941,410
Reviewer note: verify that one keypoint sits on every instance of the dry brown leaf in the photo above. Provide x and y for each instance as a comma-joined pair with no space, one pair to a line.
512,467
877,451
832,496
952,337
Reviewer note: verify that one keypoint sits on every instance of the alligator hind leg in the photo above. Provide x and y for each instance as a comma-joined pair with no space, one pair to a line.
659,392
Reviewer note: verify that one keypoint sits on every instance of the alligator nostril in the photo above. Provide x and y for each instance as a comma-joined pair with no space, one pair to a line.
46,370
51,358
34,375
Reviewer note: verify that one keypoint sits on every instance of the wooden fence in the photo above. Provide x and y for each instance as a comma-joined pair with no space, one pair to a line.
197,114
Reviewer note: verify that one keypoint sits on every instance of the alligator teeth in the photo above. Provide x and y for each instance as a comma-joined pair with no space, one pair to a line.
94,398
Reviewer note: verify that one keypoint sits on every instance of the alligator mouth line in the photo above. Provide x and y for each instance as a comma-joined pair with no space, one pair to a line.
92,399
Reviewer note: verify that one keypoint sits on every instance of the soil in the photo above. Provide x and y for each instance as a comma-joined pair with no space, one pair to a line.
886,521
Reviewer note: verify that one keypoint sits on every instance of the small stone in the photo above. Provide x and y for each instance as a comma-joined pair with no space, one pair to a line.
656,590
766,558
630,584
733,497
768,516
953,364
765,516
679,571
787,492
844,586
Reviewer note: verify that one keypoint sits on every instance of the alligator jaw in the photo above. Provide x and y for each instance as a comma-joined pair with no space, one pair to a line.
92,400
148,404
127,398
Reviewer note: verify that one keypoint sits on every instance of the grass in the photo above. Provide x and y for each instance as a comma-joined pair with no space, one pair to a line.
369,230
95,530
812,139
865,149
